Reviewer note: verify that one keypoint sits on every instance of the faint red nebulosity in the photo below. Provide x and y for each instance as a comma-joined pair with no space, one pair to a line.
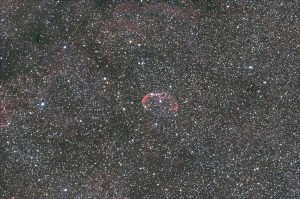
161,103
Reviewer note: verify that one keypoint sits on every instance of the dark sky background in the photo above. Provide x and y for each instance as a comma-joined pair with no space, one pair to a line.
222,115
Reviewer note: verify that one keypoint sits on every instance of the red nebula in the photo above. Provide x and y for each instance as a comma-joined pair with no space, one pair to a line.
160,103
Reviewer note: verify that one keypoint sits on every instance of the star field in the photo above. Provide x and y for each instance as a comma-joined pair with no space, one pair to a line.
150,99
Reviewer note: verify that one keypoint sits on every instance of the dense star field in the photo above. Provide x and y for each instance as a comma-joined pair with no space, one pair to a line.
150,99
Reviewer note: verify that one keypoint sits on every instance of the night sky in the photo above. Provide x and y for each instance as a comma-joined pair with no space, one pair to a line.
150,99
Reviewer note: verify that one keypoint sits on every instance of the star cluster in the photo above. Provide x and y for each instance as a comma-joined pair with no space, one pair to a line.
75,123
